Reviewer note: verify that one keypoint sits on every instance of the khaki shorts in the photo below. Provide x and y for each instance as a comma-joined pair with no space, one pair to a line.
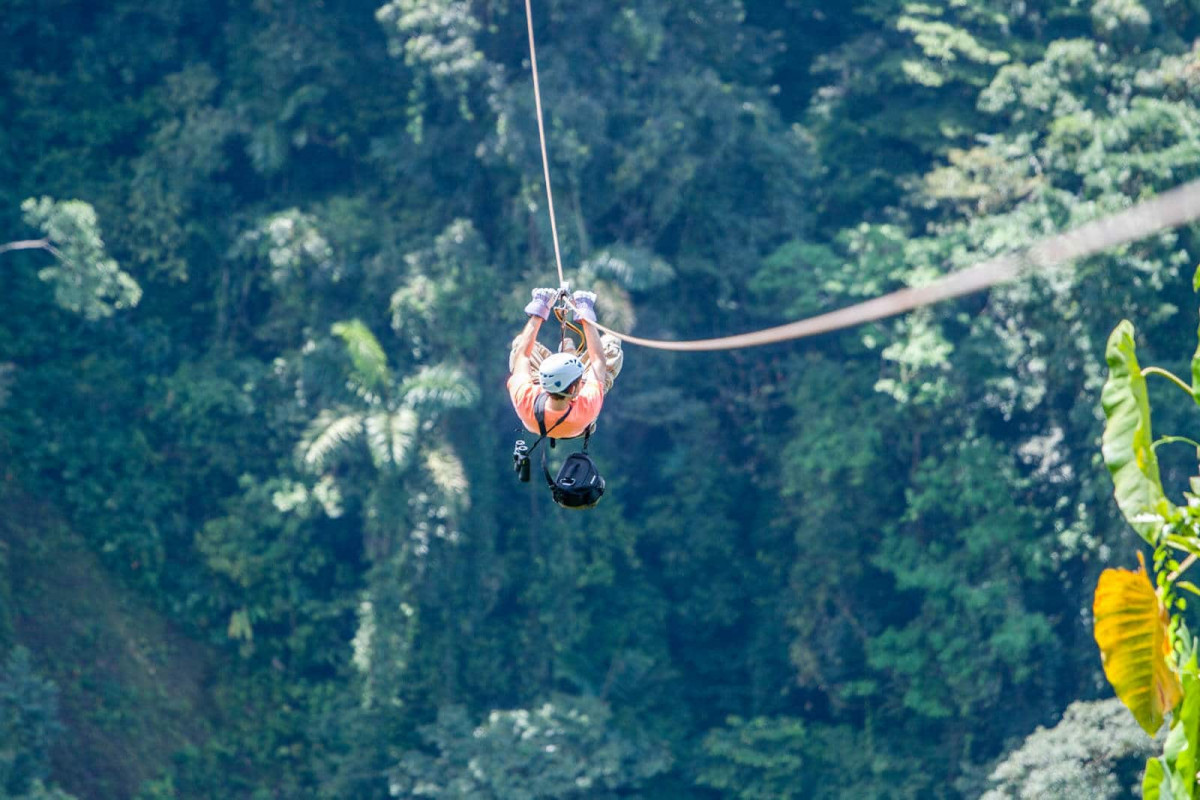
614,358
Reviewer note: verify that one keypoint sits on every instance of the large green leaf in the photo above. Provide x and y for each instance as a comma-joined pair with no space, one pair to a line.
1162,783
1152,781
1131,630
1127,438
1181,753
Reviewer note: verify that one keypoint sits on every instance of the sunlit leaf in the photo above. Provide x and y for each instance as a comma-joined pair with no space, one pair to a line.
390,436
1127,438
1161,783
366,354
1152,782
84,278
1131,630
375,428
403,434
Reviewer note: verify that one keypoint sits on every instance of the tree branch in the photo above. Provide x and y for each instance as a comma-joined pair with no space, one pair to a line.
30,244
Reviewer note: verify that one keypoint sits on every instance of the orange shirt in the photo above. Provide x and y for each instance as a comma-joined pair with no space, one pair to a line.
584,408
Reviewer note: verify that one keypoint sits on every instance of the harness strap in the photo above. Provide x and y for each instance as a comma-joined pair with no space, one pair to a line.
539,413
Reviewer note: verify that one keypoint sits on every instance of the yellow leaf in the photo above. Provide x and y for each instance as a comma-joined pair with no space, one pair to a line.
1131,629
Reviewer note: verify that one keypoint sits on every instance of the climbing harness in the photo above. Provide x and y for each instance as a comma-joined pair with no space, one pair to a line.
560,312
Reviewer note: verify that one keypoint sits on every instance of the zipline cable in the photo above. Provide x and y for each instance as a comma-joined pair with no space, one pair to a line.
537,101
1167,210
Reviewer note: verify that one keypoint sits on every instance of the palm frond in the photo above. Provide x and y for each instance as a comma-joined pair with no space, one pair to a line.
440,387
390,436
375,426
326,435
366,354
634,268
404,425
446,471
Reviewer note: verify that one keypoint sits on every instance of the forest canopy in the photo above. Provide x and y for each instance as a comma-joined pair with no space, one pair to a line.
260,533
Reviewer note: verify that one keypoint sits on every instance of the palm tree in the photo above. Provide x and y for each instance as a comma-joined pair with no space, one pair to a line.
410,501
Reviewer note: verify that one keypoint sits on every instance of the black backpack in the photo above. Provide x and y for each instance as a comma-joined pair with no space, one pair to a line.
578,484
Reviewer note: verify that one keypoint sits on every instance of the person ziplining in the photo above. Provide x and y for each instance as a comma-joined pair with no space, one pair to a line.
566,389
559,395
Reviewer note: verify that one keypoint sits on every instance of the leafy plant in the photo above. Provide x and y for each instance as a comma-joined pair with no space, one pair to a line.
1149,655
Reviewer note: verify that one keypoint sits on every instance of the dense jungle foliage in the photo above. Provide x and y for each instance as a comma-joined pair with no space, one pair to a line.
259,531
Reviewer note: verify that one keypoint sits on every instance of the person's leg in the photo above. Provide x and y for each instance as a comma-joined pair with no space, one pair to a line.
614,359
539,352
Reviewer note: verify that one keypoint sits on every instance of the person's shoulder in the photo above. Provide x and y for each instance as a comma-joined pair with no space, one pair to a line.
521,387
591,387
590,397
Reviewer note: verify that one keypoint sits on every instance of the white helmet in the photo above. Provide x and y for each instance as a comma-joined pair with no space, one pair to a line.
560,370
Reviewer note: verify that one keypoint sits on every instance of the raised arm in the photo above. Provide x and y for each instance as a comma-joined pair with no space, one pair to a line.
524,345
538,311
596,363
585,313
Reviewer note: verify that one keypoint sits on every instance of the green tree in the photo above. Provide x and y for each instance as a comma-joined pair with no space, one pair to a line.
85,280
778,757
28,726
1094,751
565,747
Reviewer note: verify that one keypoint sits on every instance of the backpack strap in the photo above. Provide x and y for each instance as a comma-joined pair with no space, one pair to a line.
539,413
549,477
